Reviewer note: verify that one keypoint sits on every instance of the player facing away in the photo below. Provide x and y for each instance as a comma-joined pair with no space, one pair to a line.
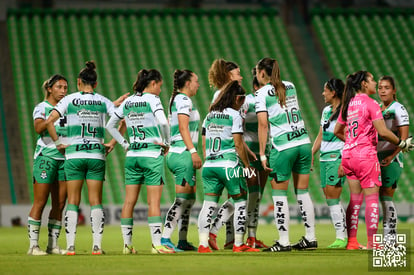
257,182
362,118
148,139
389,155
48,170
86,113
224,148
220,73
279,117
182,158
330,148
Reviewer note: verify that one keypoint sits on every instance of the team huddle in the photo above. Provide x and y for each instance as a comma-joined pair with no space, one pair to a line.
246,138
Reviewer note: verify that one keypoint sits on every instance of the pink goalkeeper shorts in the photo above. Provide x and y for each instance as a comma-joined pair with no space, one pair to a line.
366,170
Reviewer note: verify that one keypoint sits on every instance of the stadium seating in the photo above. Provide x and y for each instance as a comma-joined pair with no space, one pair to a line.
377,40
123,42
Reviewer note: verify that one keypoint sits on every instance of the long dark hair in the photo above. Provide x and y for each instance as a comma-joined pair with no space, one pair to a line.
336,85
50,82
271,67
227,97
255,82
391,80
180,78
218,74
144,77
353,84
88,74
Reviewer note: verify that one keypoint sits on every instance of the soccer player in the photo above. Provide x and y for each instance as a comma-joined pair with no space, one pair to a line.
362,118
224,148
277,106
389,156
182,158
48,172
330,158
148,140
220,73
86,113
256,183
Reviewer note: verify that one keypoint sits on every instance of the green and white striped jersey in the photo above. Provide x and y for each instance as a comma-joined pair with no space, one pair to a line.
143,130
331,146
45,144
184,106
394,116
219,128
287,128
248,111
86,118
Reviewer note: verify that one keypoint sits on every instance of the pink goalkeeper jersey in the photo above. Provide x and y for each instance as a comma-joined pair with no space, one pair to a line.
361,139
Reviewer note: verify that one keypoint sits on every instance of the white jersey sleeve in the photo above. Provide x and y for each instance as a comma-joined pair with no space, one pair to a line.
63,104
110,106
261,98
39,112
119,112
237,127
156,104
184,106
215,96
401,116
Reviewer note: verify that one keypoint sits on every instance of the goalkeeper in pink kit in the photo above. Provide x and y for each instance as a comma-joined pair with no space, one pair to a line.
362,119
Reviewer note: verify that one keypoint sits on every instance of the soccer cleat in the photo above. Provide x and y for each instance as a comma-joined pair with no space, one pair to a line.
339,243
97,250
56,250
204,249
277,247
304,244
244,248
255,243
229,245
167,242
186,246
212,241
354,245
36,251
162,249
129,249
70,251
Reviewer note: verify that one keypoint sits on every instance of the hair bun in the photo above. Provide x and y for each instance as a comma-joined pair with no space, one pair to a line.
90,65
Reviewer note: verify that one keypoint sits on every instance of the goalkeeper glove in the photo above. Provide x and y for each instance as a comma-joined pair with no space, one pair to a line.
406,145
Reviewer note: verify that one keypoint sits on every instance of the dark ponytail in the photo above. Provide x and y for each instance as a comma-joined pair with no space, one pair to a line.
144,77
88,74
227,96
337,86
180,78
353,84
255,82
271,67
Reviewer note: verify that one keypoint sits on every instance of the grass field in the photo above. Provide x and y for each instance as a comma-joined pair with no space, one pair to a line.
14,244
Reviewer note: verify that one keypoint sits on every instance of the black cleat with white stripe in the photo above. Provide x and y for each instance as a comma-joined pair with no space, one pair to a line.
304,244
277,247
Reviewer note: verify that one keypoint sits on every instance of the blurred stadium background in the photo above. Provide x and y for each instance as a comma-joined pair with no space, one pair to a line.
312,40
